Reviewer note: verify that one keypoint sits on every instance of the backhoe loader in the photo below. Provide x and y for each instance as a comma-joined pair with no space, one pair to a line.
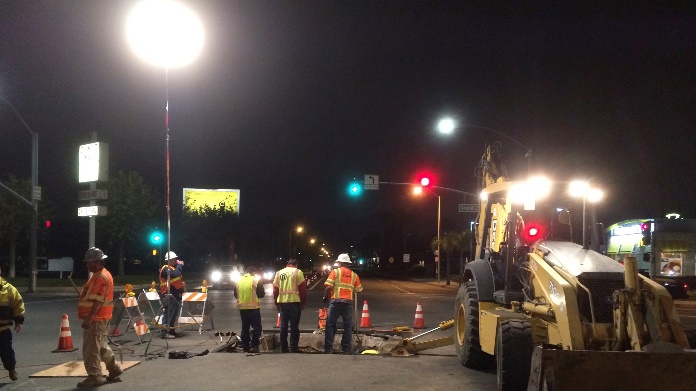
551,314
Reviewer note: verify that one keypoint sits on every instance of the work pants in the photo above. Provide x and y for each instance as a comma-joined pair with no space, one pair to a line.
345,311
250,318
7,354
95,348
170,315
289,313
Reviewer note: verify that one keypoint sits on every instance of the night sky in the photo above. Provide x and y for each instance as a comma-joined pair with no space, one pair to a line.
292,99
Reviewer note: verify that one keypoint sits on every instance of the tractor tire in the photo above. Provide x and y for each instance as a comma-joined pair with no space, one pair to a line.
514,347
691,337
466,329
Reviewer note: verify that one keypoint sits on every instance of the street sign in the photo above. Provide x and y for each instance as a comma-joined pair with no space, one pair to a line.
391,259
468,207
36,193
407,257
96,194
87,211
371,182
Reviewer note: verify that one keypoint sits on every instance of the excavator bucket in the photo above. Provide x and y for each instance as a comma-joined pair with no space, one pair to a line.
593,370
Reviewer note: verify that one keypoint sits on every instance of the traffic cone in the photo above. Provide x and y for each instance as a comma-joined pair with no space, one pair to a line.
419,323
65,343
365,320
116,333
323,312
278,322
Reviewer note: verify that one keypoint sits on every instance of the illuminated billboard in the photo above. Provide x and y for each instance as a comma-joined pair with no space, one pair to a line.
194,199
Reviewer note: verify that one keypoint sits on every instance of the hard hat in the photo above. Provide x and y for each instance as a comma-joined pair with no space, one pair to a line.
170,255
94,254
344,258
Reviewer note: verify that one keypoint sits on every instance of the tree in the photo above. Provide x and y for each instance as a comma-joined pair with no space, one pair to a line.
131,207
449,241
217,229
16,216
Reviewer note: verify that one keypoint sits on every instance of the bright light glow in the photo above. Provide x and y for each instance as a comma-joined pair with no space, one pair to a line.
164,33
216,276
299,229
484,195
235,276
268,275
578,188
257,277
540,186
417,190
519,192
425,181
673,216
533,231
446,126
594,195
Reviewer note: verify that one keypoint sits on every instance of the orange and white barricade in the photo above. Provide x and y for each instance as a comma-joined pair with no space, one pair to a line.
194,302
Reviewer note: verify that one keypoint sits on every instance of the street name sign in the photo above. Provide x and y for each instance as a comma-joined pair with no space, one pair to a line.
96,194
86,211
468,208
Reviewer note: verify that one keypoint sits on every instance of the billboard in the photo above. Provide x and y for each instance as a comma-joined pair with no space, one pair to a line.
195,199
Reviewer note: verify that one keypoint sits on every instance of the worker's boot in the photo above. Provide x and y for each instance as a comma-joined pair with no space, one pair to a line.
92,381
254,349
14,375
114,371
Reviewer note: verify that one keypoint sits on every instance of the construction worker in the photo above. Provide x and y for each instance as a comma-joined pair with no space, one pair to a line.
94,309
11,311
171,294
339,288
290,294
248,292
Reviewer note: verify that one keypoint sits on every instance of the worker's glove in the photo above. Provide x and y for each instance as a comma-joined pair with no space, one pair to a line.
325,299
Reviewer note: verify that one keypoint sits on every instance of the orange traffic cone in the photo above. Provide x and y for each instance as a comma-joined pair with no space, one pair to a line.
365,321
419,323
322,318
278,322
140,328
65,343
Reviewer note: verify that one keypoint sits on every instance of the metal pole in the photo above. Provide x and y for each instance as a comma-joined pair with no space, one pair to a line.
92,219
584,224
439,258
34,209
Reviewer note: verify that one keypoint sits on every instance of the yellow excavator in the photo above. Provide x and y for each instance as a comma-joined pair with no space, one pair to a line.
551,314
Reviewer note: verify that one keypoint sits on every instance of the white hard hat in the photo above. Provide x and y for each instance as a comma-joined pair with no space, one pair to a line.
170,255
344,258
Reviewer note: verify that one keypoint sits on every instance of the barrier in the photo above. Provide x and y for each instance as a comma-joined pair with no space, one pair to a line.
65,343
323,313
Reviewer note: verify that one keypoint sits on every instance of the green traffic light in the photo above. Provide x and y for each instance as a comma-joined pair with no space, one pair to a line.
354,189
156,237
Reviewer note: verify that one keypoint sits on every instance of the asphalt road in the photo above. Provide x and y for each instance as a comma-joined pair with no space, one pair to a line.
391,303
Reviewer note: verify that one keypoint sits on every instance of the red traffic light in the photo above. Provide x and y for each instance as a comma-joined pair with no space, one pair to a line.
425,181
48,223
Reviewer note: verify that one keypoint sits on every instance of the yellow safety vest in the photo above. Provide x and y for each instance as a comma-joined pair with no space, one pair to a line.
11,305
288,281
246,293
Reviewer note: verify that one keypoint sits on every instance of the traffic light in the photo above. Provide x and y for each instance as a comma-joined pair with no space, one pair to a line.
354,189
154,251
645,229
533,232
156,237
425,181
48,223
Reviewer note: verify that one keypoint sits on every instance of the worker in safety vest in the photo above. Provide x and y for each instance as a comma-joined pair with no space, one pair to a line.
248,292
290,293
11,312
94,309
171,298
340,285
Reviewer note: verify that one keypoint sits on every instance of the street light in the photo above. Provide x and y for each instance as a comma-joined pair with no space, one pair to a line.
590,194
297,229
166,34
34,196
418,190
448,125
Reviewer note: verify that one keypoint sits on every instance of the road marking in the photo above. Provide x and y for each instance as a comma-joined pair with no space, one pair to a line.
402,290
49,301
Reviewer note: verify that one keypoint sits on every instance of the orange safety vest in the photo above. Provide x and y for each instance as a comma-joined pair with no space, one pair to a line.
176,282
99,288
344,281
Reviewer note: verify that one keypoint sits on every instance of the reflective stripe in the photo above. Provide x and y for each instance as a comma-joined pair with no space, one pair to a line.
246,293
342,290
104,285
176,282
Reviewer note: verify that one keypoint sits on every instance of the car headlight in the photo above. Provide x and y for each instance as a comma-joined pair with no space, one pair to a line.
257,277
216,276
268,275
235,276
